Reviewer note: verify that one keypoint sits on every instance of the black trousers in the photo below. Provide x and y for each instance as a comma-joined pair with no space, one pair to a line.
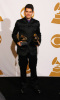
23,61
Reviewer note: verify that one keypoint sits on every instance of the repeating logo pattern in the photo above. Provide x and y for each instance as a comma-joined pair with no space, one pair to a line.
55,42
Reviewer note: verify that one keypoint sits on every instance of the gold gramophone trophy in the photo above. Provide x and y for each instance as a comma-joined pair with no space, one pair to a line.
35,40
24,40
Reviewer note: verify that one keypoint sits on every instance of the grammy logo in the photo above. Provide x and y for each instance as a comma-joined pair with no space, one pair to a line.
57,16
56,70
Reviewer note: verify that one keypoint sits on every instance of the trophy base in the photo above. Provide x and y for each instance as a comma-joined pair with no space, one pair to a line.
34,43
24,43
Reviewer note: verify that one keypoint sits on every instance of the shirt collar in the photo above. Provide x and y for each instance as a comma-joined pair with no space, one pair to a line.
27,19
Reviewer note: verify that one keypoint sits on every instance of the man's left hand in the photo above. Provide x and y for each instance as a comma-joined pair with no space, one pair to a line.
38,43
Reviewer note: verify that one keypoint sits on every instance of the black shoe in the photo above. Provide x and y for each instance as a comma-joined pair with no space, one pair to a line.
36,89
23,87
22,91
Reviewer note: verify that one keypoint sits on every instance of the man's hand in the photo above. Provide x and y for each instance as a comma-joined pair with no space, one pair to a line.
19,43
38,43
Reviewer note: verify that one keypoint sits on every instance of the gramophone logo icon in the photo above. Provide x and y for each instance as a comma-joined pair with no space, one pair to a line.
56,70
28,69
57,16
0,38
1,18
1,73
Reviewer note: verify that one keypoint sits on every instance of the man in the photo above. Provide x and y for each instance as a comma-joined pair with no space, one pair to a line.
27,26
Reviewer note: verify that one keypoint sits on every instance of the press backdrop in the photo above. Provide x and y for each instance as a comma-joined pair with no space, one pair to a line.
47,12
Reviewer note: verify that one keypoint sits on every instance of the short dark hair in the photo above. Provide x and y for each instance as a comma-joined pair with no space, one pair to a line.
29,6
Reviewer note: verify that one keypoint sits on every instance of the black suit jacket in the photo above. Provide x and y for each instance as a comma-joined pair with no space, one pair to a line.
22,26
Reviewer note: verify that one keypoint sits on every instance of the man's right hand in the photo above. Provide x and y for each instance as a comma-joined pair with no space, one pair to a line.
19,43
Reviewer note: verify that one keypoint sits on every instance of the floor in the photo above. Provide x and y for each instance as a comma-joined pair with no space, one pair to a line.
10,88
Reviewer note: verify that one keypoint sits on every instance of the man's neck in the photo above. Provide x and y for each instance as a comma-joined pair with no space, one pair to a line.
28,18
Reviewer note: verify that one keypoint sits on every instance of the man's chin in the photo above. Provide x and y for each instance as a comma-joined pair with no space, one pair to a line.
28,17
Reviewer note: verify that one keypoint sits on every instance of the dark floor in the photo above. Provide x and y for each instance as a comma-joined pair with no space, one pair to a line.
10,87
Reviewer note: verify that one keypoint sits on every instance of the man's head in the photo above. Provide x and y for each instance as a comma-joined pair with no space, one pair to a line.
29,10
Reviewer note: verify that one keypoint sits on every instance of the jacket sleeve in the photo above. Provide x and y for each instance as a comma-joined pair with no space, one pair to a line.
14,33
38,31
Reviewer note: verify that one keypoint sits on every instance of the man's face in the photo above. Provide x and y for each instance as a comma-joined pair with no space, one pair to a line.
28,13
